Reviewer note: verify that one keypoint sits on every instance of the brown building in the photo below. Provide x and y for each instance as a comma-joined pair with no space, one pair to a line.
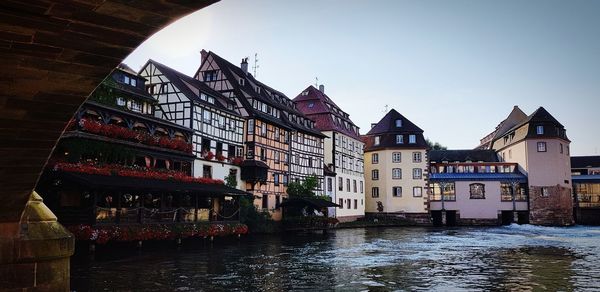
281,143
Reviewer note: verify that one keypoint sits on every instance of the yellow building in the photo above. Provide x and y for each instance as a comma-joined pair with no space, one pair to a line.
395,168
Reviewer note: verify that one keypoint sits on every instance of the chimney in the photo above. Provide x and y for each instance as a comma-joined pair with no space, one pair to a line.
203,55
322,88
244,65
373,125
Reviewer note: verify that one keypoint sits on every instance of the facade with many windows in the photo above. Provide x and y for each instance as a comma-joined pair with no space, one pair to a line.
396,168
281,144
343,152
218,129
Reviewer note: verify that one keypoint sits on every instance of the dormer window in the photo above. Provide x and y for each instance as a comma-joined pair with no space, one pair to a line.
398,123
126,79
242,81
412,139
377,140
311,105
399,139
305,93
539,130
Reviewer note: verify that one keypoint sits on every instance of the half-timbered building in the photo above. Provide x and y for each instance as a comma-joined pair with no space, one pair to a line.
281,143
218,129
343,152
116,163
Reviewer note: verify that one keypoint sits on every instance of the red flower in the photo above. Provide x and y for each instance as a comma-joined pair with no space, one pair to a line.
209,155
118,132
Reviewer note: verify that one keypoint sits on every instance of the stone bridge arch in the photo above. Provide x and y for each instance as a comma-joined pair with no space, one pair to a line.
53,53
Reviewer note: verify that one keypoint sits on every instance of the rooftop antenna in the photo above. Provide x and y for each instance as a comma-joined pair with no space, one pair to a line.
316,81
255,64
385,108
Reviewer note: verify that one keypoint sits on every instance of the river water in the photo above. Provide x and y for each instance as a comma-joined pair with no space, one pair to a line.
516,257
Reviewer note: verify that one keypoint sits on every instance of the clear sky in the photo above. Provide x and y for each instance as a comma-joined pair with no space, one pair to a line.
455,68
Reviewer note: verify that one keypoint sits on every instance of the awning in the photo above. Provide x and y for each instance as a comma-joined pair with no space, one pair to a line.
146,184
498,176
312,202
254,170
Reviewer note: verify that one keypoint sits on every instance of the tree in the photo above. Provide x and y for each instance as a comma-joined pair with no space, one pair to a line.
304,189
435,146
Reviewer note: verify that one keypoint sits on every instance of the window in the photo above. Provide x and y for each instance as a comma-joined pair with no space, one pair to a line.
375,192
349,204
417,173
539,130
121,101
396,157
311,105
509,154
399,139
263,129
277,201
126,79
561,148
276,179
285,179
347,185
277,156
133,82
355,204
263,154
135,106
397,191
265,201
329,184
416,157
377,138
361,187
541,146
250,126
374,158
206,116
375,174
544,192
210,75
207,171
354,185
506,192
276,137
417,192
341,203
340,184
446,188
398,123
477,191
396,173
412,139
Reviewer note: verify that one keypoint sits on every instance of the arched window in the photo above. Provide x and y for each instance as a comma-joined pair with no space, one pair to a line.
477,191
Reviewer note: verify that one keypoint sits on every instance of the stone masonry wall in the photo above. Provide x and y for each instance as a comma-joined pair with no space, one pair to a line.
556,209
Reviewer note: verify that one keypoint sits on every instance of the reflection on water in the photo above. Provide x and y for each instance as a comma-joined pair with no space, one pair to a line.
379,259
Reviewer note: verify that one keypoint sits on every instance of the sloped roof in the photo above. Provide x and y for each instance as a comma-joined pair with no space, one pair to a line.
585,161
387,125
516,116
463,155
185,83
266,94
319,107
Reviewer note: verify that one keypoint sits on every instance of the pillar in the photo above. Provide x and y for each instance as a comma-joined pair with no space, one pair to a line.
35,252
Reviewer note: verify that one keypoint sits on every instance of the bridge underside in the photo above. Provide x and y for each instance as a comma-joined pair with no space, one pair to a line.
53,54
